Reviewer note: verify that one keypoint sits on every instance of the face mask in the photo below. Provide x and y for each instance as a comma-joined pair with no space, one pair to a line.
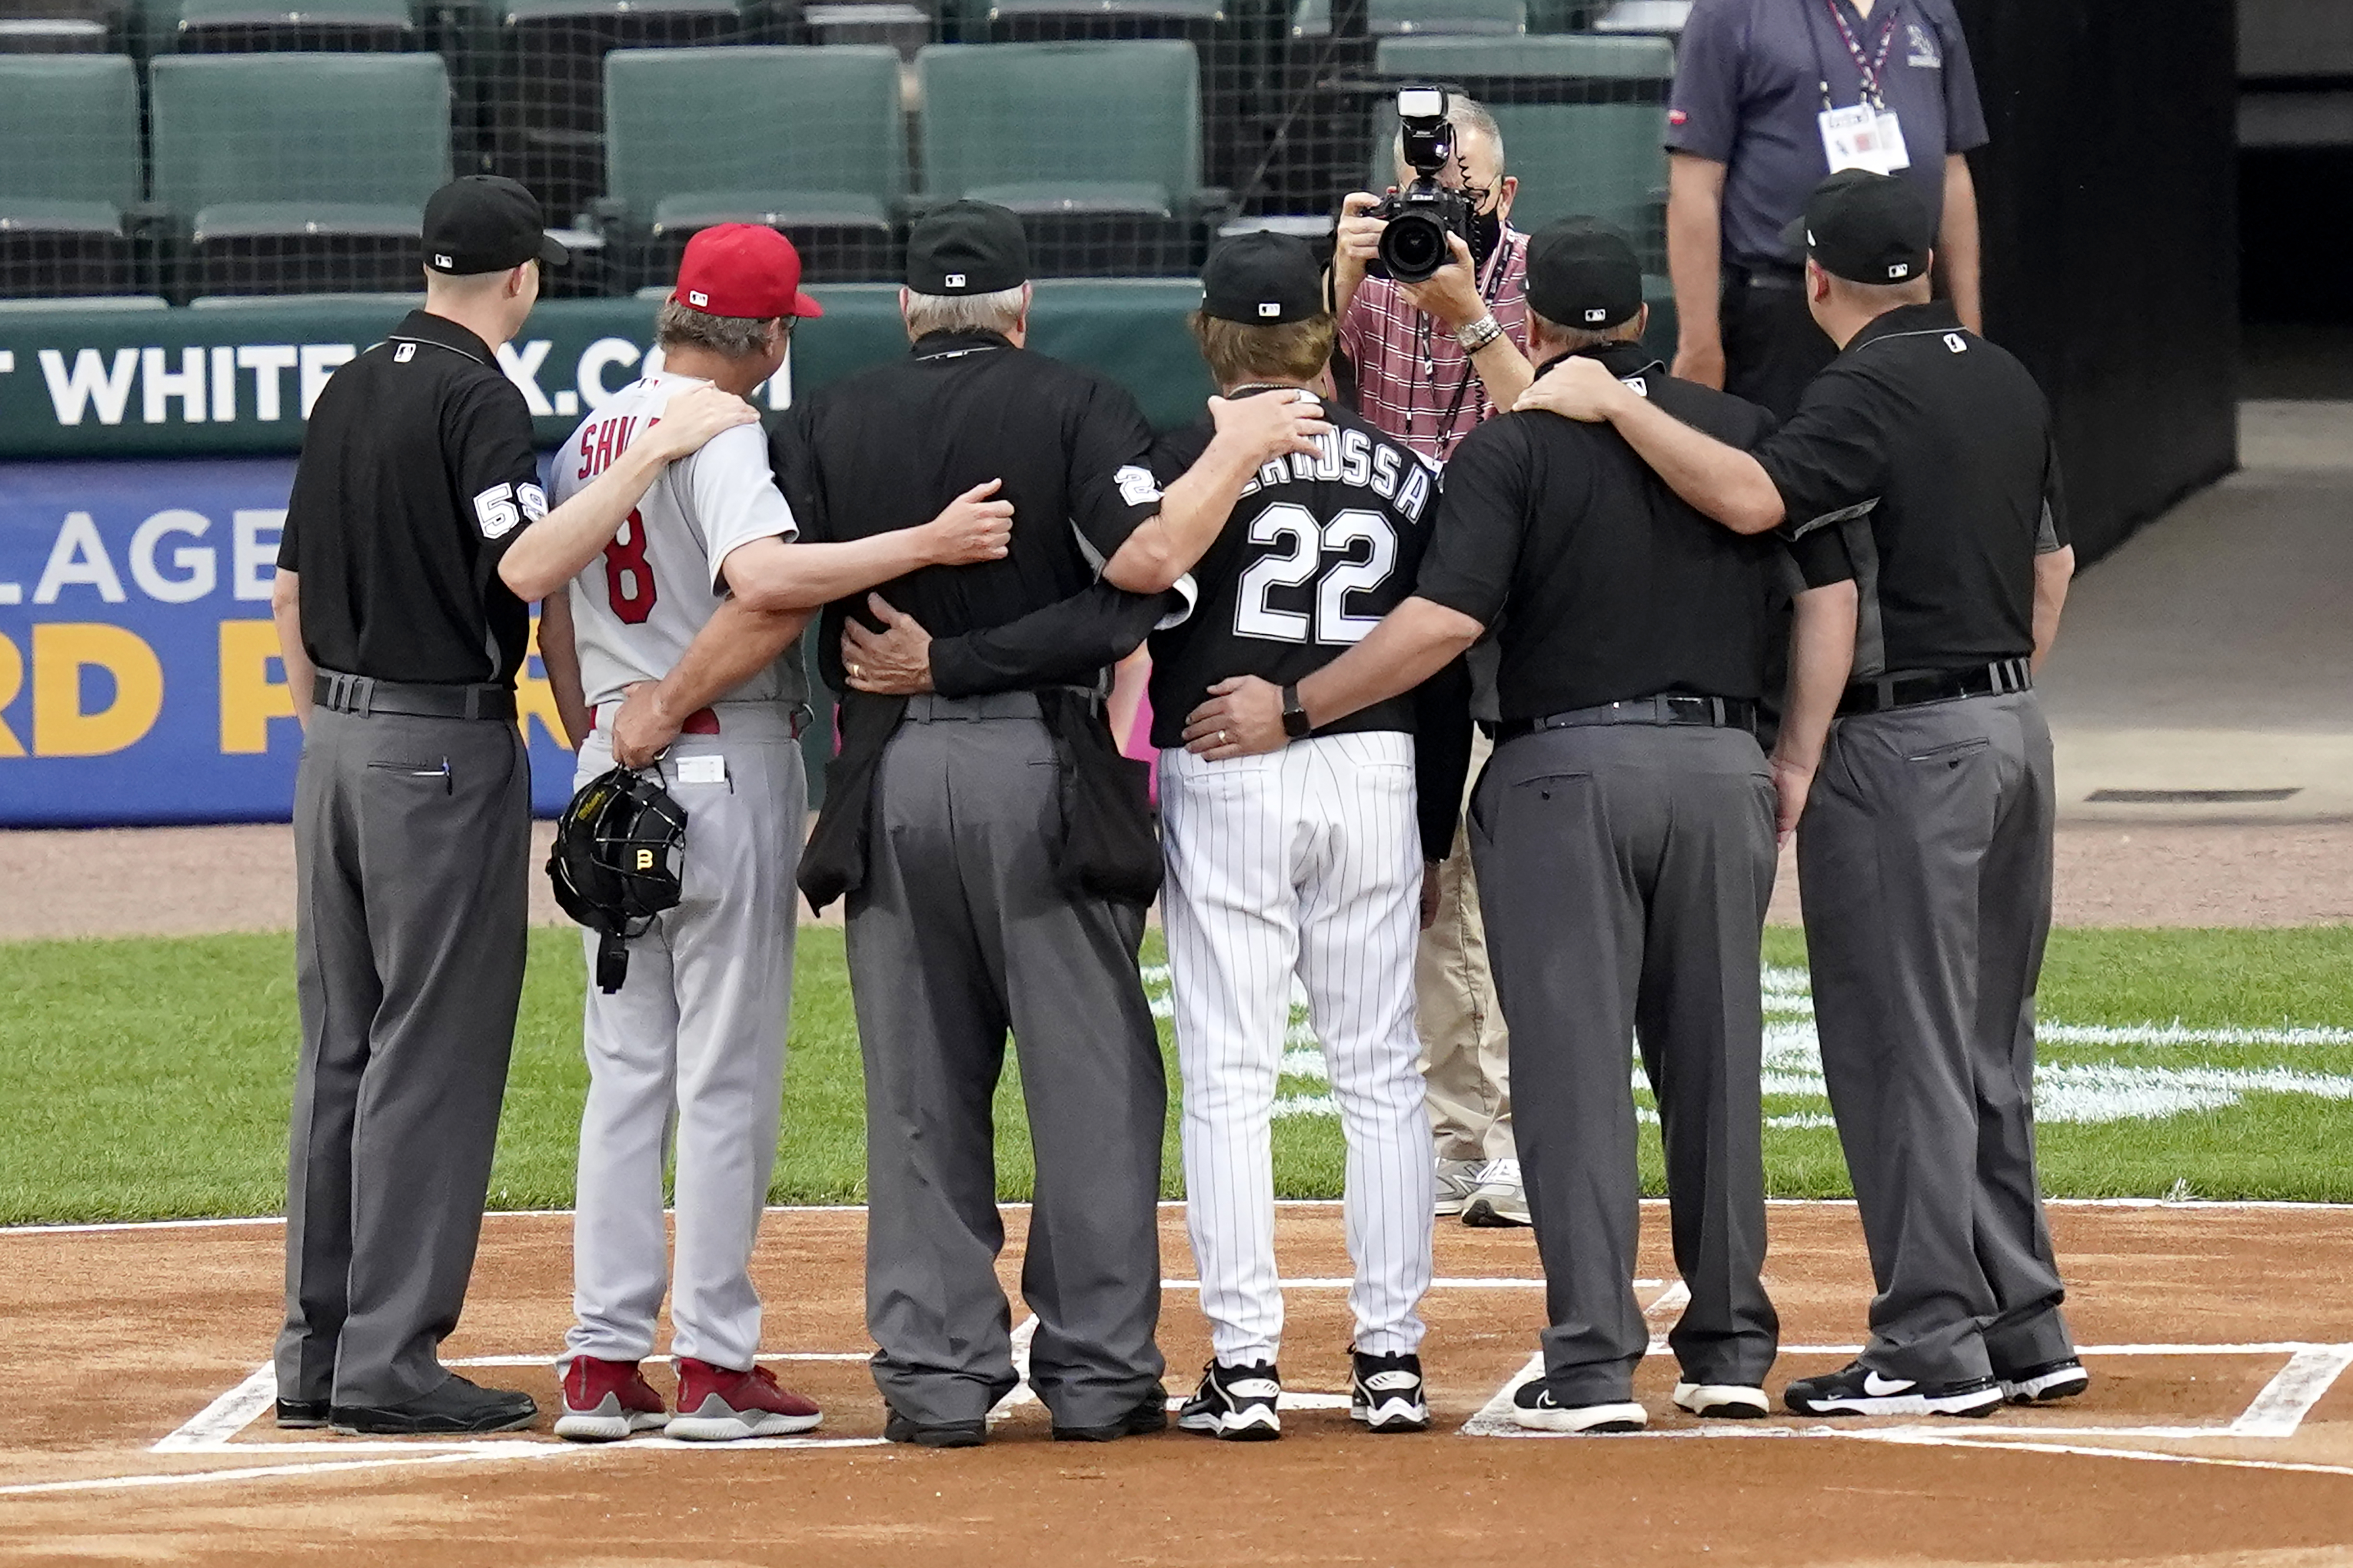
1486,234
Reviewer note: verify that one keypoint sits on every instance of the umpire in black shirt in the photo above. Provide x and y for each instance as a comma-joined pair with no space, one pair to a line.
1919,465
415,533
1623,833
996,852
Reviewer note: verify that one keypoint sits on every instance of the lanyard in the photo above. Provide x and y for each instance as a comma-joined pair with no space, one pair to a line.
1446,433
1867,69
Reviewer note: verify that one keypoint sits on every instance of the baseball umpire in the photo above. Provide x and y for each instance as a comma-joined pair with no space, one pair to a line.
1624,834
413,539
997,855
1920,465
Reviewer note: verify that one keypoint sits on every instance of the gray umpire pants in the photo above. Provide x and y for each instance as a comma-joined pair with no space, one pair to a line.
412,839
1924,857
960,934
1624,872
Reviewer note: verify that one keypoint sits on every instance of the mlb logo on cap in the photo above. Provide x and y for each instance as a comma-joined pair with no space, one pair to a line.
1597,313
954,280
444,262
1901,269
697,299
1269,308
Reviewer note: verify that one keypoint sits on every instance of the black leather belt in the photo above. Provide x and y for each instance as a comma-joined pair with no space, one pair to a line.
1667,707
358,694
1766,277
1887,691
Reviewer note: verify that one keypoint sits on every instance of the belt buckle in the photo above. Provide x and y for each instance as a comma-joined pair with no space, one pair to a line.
1674,705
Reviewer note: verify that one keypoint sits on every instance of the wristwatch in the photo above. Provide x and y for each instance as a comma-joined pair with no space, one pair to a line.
1478,334
1294,717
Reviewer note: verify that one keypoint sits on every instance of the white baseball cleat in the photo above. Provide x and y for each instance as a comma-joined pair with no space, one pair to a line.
1722,1401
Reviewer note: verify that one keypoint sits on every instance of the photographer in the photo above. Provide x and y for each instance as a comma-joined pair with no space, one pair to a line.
1434,358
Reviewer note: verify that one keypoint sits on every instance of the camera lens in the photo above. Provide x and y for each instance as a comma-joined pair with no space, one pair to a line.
1413,247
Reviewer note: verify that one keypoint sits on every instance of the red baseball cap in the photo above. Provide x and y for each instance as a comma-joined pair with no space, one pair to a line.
744,270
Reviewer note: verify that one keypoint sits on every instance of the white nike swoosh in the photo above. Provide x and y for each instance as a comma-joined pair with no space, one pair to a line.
1879,1387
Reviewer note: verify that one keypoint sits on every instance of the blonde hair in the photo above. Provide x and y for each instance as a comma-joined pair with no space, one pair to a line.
1239,351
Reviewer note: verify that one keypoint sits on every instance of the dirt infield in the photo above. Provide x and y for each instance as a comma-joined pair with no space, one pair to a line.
183,881
2217,1430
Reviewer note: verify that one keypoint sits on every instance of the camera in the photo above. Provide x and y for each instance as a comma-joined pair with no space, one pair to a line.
1413,248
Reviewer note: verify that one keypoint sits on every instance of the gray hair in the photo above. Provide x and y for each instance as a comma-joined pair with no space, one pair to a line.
730,337
996,312
1577,340
1464,113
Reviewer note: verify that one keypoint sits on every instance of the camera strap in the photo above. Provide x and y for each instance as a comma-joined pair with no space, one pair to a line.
1445,433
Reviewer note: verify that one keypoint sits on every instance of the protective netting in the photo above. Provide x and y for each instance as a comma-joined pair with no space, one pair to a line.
196,148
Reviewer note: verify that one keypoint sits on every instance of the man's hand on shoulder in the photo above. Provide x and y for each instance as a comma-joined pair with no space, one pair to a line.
692,418
1269,425
1577,388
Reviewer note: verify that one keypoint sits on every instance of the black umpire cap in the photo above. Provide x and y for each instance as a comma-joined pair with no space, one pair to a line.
1262,279
968,248
1866,229
487,223
1583,274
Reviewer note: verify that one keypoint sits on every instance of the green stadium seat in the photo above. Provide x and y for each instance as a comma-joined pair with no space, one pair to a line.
63,27
205,26
1313,18
70,124
299,173
809,141
1097,145
1583,57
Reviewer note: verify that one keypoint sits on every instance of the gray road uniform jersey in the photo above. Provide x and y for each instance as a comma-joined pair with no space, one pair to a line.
698,1029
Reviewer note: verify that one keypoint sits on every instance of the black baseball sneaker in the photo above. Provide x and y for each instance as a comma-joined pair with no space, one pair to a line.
2041,1383
1149,1415
1236,1403
1859,1390
897,1428
1386,1392
456,1408
1534,1407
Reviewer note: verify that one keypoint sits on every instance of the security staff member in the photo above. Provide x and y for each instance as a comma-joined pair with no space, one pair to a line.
416,531
1624,833
997,855
1920,466
1770,96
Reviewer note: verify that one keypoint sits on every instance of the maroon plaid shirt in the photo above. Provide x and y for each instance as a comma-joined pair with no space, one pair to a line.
1414,383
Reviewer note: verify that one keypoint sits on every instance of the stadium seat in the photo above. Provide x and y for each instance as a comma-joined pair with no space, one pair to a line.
207,26
63,27
299,173
811,140
70,124
1313,18
548,86
1549,61
1097,145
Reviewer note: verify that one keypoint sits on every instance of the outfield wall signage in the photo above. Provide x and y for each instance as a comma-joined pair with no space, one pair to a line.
240,379
140,680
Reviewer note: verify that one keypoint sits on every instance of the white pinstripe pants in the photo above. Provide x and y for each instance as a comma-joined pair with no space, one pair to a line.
1305,862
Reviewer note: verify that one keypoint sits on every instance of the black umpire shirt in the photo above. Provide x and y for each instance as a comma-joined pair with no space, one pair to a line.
890,448
1920,464
1615,588
418,471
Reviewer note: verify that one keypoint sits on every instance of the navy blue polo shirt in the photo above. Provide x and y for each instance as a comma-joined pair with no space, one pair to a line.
1749,92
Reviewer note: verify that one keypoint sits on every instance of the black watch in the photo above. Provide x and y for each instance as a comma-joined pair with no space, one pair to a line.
1294,717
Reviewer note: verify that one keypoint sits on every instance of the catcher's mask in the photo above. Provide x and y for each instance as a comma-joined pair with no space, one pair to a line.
616,862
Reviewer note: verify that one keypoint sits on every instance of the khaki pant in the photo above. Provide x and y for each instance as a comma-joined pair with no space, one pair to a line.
1464,1043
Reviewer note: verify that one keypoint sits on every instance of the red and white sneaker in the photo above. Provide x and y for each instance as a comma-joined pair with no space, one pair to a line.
717,1406
604,1401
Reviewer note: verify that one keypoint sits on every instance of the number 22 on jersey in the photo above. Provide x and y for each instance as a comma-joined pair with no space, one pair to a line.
629,580
1306,544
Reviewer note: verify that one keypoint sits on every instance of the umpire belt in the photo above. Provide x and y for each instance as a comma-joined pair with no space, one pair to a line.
1998,680
931,708
1672,708
360,695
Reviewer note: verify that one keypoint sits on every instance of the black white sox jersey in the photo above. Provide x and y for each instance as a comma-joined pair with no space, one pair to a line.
1316,551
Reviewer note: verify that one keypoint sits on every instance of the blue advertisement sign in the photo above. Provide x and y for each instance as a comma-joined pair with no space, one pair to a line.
139,681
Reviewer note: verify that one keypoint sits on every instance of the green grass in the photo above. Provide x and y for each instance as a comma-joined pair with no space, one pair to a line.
146,1077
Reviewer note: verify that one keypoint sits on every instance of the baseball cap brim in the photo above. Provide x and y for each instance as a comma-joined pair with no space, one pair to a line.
1793,233
552,252
805,306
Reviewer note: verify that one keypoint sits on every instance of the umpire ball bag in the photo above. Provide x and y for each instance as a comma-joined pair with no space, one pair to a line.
619,847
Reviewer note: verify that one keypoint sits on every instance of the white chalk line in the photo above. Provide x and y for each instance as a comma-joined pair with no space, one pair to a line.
2286,1400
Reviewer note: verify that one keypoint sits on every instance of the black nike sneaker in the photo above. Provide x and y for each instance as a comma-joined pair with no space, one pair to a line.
1236,1403
1386,1392
2041,1383
1534,1407
1859,1390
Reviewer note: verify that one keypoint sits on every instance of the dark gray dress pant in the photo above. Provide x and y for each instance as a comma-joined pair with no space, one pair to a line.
959,933
1624,872
412,841
1924,857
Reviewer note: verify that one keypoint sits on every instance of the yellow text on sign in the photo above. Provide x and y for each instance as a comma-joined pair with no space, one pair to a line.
61,650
